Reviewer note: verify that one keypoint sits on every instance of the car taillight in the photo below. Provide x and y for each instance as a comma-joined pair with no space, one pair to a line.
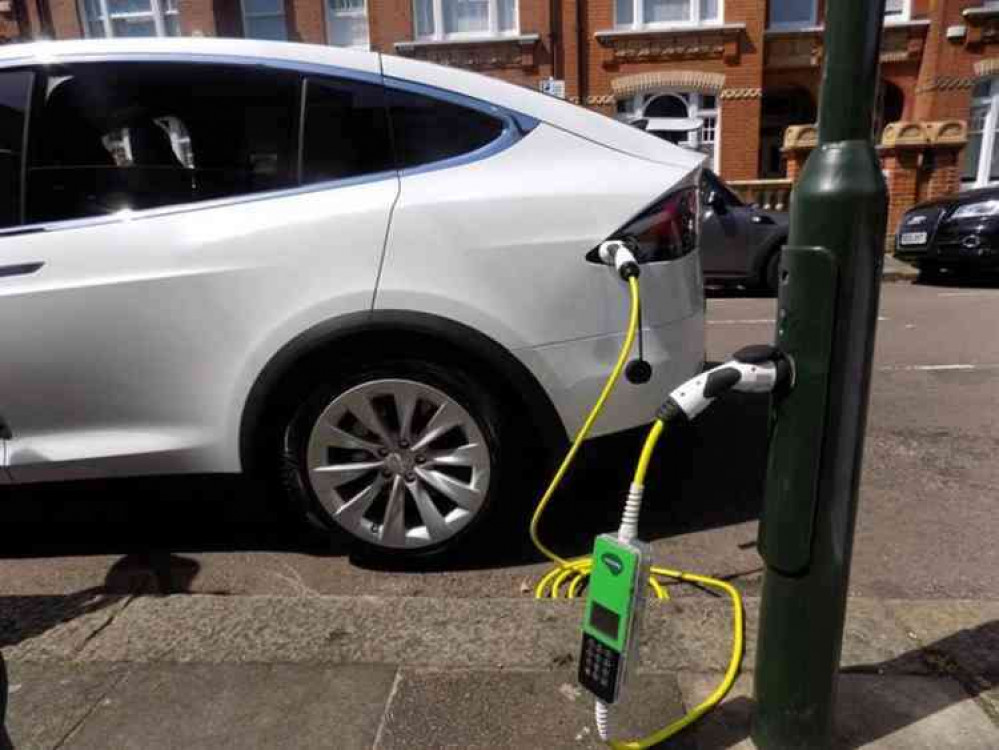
666,230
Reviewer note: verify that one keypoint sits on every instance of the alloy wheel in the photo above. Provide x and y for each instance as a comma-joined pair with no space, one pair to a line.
398,463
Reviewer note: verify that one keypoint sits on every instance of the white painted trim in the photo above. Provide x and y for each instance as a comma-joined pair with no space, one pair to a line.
330,18
492,32
518,38
156,12
695,22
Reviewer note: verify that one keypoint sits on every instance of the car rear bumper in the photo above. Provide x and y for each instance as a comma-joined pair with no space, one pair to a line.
574,372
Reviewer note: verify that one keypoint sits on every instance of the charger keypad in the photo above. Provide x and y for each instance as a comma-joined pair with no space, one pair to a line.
598,666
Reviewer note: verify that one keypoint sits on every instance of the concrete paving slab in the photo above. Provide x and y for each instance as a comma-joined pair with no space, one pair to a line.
48,701
230,707
479,710
54,627
688,633
966,632
897,270
381,630
891,712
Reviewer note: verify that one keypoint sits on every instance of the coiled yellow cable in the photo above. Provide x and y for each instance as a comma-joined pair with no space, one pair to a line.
571,575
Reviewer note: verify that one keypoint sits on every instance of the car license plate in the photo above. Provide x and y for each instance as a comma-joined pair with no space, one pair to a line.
913,238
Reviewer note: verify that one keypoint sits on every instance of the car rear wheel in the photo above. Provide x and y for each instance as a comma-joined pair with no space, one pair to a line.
401,456
772,272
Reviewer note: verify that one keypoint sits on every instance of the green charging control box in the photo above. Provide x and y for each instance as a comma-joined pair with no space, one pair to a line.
615,605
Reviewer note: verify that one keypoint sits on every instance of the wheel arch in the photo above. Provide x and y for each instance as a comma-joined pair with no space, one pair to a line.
357,334
766,252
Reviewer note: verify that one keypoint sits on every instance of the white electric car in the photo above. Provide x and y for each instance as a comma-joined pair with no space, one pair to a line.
369,276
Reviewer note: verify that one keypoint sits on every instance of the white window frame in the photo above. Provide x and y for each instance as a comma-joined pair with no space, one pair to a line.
901,17
694,110
492,31
813,20
988,137
638,17
331,20
244,15
156,10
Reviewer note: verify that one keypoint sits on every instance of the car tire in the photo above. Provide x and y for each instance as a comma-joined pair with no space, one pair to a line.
771,273
930,274
394,490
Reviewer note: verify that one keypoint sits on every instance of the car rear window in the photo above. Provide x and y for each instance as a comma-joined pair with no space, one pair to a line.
15,90
428,129
346,130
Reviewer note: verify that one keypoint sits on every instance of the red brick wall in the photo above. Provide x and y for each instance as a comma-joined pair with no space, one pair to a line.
65,19
198,17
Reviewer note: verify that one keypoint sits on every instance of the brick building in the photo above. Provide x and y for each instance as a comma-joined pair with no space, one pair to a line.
738,72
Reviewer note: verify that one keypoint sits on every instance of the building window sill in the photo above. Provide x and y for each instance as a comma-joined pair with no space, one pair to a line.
917,25
476,53
646,31
980,14
467,41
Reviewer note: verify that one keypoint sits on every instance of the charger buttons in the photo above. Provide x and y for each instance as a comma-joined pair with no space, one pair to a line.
598,667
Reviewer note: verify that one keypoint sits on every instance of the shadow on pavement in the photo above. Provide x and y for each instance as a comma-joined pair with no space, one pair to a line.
959,281
704,476
5,743
875,701
730,291
150,573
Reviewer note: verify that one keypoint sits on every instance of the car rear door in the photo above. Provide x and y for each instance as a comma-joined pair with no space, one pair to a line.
725,232
174,235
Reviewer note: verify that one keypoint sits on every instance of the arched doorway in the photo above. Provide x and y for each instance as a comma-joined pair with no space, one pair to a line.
781,108
890,107
686,118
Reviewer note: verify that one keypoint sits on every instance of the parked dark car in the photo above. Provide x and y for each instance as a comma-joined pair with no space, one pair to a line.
740,243
959,233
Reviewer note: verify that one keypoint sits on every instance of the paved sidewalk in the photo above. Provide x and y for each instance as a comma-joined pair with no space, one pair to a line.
897,270
372,672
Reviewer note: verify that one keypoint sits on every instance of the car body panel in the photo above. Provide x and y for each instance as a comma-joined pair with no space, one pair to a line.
149,329
525,283
970,243
190,48
559,113
737,244
188,306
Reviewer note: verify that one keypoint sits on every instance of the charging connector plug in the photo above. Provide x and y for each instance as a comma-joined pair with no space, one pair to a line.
755,369
616,253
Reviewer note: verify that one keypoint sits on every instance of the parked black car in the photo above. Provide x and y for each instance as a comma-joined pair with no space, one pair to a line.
959,233
740,243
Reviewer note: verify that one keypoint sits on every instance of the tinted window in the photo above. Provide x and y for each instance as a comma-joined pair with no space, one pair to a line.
135,135
15,92
346,130
426,129
711,183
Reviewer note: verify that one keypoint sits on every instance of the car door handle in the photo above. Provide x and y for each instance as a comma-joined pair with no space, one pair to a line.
20,269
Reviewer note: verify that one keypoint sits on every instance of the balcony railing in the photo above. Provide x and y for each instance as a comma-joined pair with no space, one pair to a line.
772,195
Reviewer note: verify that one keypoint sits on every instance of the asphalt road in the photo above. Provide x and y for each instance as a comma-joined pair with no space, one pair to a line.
927,528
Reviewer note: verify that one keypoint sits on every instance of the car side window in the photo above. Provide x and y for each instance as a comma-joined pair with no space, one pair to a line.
129,136
15,96
426,129
345,133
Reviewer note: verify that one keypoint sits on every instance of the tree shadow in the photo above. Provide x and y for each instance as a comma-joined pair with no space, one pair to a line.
150,573
878,700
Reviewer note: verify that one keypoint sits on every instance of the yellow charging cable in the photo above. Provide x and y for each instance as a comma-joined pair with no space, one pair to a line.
572,574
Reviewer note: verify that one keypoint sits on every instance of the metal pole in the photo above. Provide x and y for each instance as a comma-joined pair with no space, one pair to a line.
831,274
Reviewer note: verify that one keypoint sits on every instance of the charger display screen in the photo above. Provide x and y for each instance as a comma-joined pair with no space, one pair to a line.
604,620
